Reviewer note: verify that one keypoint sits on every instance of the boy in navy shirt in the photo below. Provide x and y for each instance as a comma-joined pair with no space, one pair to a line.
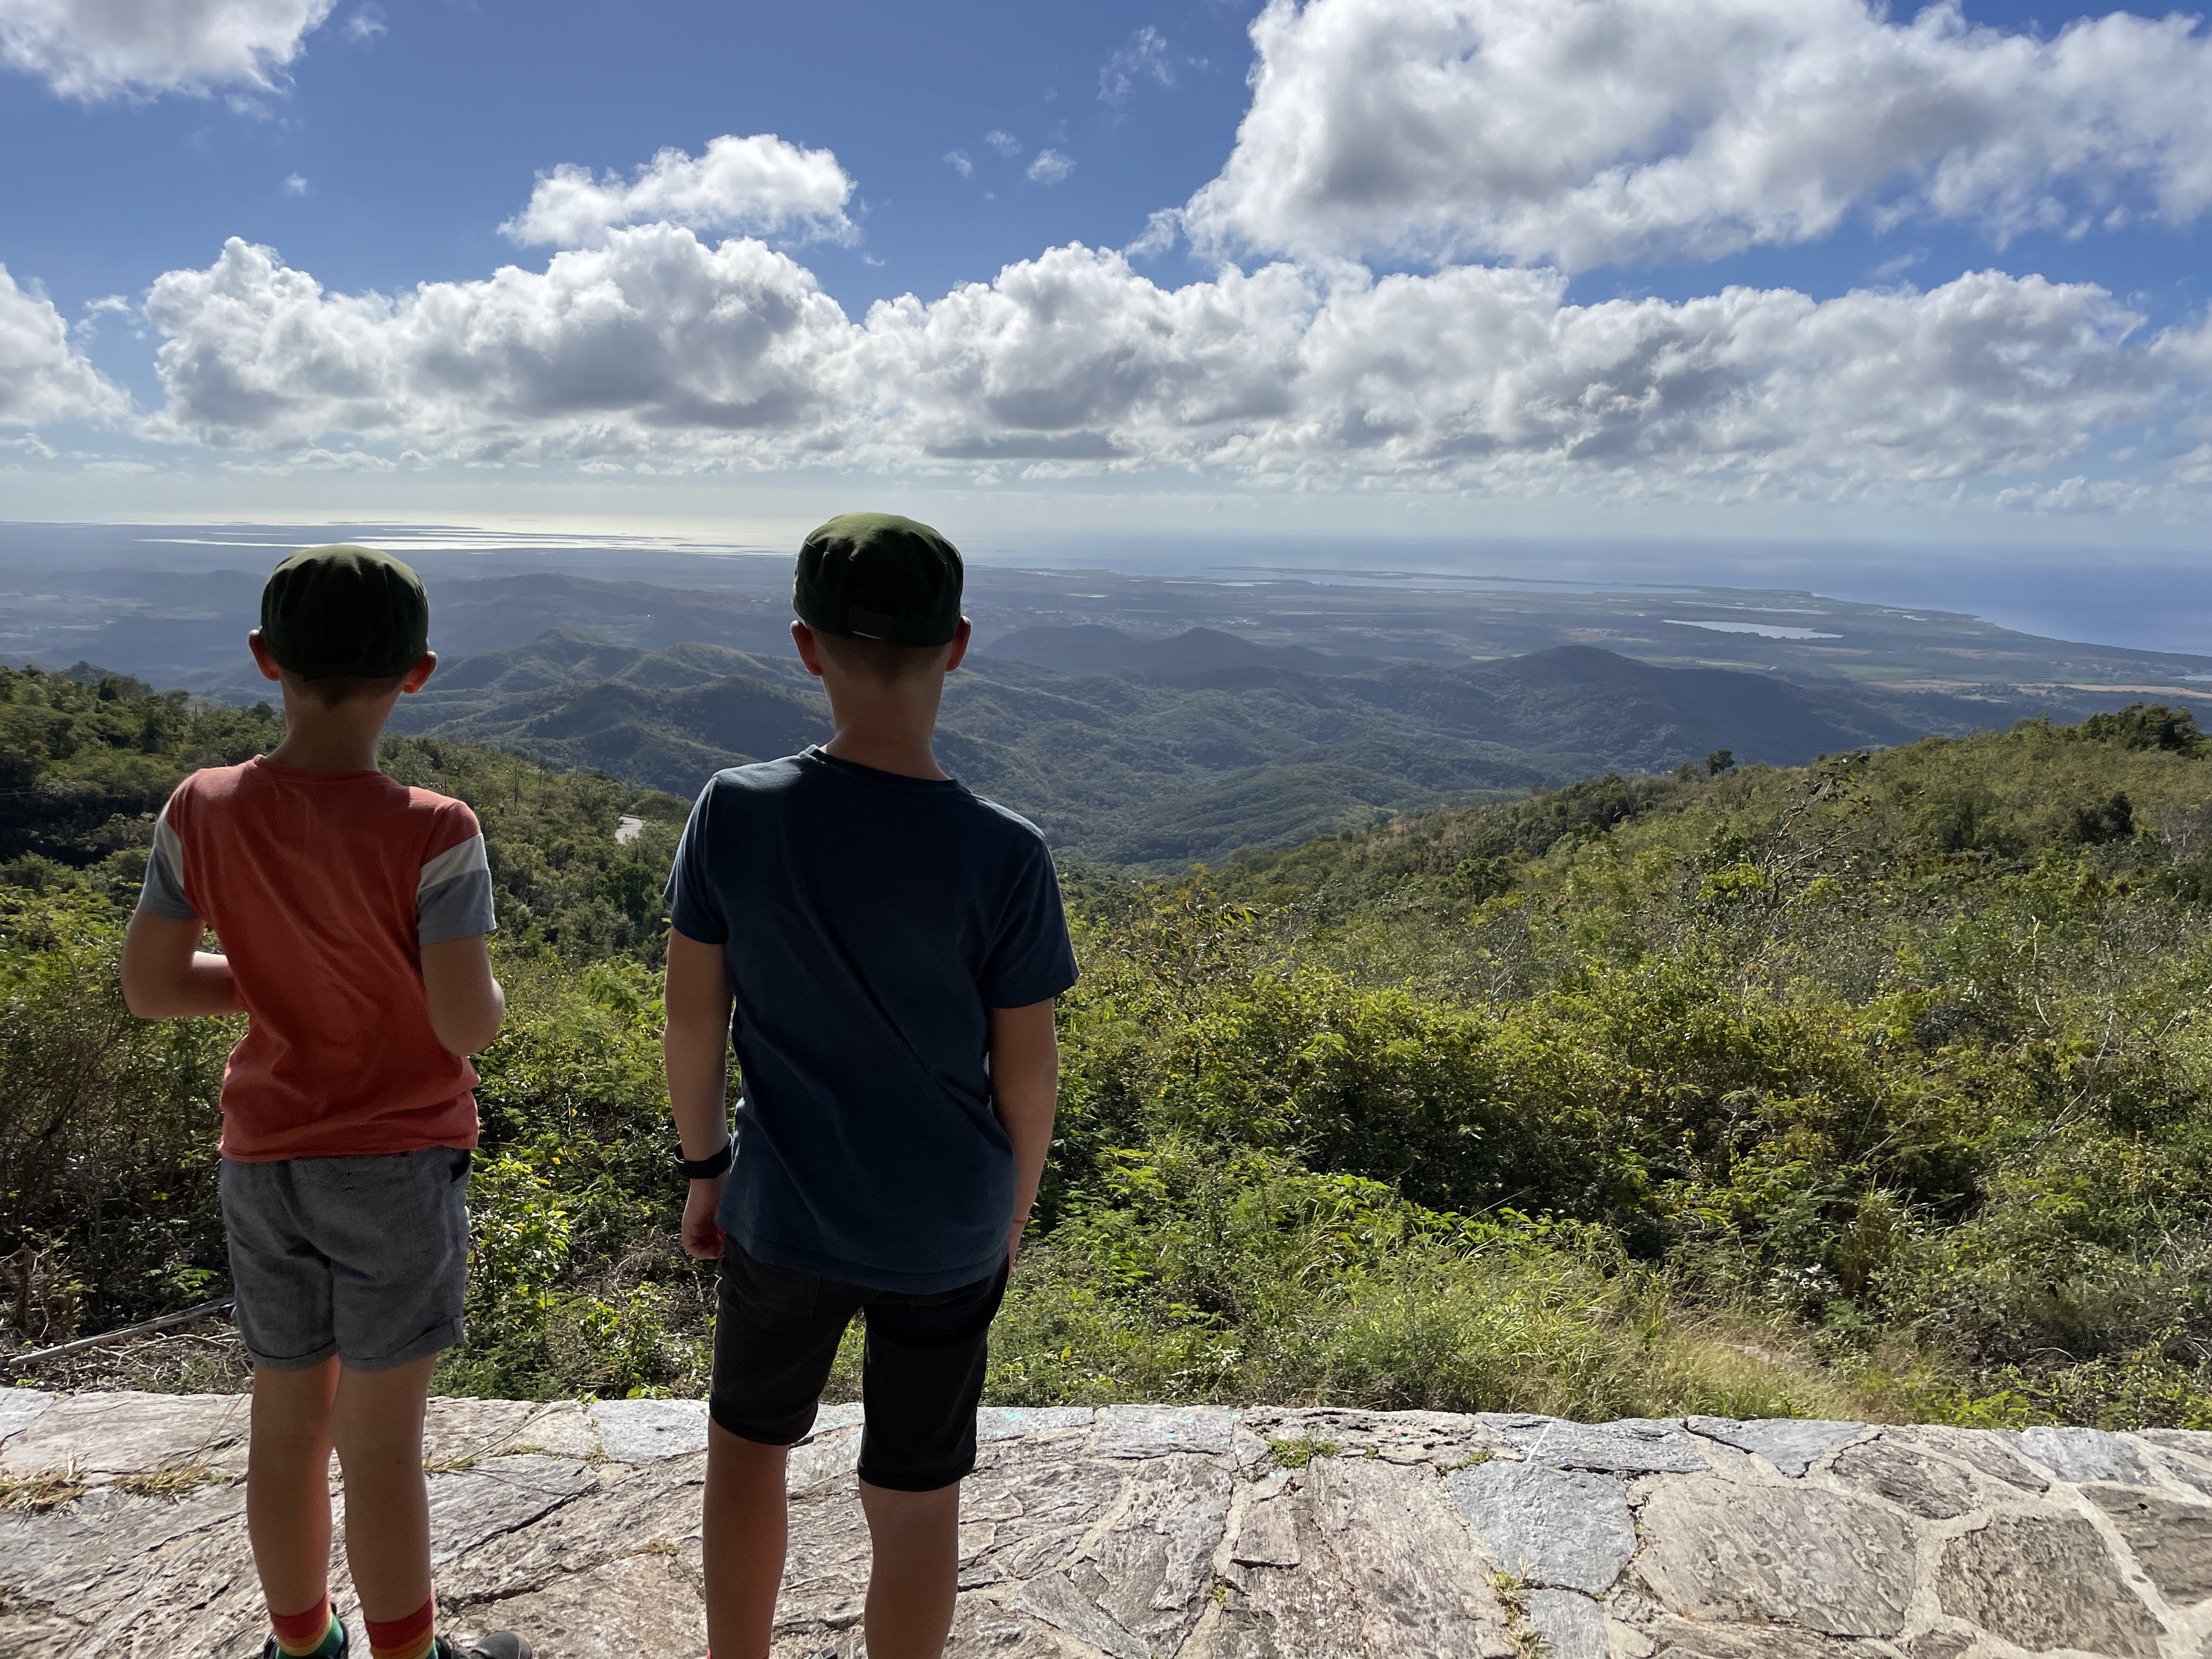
891,945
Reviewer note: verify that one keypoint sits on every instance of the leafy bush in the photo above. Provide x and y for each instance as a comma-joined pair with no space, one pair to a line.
1879,1087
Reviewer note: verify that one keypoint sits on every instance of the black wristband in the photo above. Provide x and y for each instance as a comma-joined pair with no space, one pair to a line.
704,1169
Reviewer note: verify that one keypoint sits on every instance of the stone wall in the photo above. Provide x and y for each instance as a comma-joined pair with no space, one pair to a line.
1204,1534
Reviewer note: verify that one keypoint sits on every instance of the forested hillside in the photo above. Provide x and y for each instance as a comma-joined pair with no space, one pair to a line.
1159,753
1878,1087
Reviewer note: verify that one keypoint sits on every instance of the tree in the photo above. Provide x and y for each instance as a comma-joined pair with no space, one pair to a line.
1720,761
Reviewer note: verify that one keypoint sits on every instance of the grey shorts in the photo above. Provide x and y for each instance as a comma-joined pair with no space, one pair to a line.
366,1258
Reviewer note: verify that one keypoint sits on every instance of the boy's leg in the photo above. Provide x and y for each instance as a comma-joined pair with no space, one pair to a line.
914,1537
377,1424
287,1487
922,1379
747,1522
777,1332
395,1226
284,1310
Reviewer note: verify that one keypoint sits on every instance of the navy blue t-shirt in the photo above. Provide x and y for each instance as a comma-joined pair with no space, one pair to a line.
870,922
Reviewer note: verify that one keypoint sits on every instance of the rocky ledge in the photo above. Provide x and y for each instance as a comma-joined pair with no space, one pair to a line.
1138,1531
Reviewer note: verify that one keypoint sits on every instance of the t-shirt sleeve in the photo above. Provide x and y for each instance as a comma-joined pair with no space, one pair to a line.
452,896
694,910
1031,959
162,893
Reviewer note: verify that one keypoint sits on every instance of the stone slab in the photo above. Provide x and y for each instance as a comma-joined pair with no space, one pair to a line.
648,1602
821,1459
1986,1451
497,1495
1013,1422
105,1435
1791,1445
20,1409
2170,1540
456,1431
2044,1581
1931,1487
558,1428
827,1419
1629,1446
1794,1555
1554,1528
1128,1532
2080,1455
1156,1430
645,1430
1572,1626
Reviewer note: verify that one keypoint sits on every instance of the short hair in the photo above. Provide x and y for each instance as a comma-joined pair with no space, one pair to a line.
878,659
332,689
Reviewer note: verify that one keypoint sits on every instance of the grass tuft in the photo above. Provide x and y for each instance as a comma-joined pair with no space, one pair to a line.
46,1489
1300,1450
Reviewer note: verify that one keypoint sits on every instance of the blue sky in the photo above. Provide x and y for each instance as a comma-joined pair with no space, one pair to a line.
1380,290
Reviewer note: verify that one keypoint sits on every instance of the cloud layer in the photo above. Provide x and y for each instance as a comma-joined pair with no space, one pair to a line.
658,348
665,333
100,49
760,184
42,376
1592,131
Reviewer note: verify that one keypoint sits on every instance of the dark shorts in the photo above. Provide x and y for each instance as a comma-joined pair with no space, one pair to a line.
366,1258
776,1336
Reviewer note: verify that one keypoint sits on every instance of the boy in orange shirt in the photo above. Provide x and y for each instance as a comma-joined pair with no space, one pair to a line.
352,912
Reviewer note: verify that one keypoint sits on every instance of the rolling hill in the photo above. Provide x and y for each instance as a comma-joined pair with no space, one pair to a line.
1230,747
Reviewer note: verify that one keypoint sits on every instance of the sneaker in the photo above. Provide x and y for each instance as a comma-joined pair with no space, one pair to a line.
492,1644
270,1651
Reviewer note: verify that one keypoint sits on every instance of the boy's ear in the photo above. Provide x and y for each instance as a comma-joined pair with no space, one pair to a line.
426,666
809,653
262,659
959,644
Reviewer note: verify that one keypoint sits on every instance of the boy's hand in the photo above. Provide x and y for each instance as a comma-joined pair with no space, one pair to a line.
1014,1238
702,1234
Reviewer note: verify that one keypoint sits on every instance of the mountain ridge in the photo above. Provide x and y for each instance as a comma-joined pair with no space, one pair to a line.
1158,770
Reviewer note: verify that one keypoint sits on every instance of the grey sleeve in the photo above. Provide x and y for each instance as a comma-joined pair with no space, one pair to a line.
162,892
453,900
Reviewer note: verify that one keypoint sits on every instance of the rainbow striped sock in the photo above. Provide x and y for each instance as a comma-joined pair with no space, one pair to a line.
314,1634
414,1637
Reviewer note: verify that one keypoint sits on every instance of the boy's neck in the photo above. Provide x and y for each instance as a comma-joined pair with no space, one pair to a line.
909,755
889,732
340,738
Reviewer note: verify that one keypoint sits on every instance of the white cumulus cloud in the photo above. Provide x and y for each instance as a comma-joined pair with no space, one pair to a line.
1050,167
653,340
1587,131
42,376
657,350
99,49
1481,375
761,184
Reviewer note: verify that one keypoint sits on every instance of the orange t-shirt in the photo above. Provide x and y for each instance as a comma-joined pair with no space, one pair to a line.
323,887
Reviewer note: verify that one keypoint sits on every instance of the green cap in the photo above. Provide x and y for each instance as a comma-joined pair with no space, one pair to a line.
877,576
340,610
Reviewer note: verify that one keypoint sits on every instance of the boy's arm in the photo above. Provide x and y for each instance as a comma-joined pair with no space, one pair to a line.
1025,1089
696,1050
467,1003
165,976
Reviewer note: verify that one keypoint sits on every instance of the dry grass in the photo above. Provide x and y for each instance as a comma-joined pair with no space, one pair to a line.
1527,1641
172,1482
46,1489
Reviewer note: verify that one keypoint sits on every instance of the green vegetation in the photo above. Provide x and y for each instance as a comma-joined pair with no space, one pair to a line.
1878,1087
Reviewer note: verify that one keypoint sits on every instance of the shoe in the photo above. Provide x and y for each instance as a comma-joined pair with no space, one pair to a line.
492,1644
270,1651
